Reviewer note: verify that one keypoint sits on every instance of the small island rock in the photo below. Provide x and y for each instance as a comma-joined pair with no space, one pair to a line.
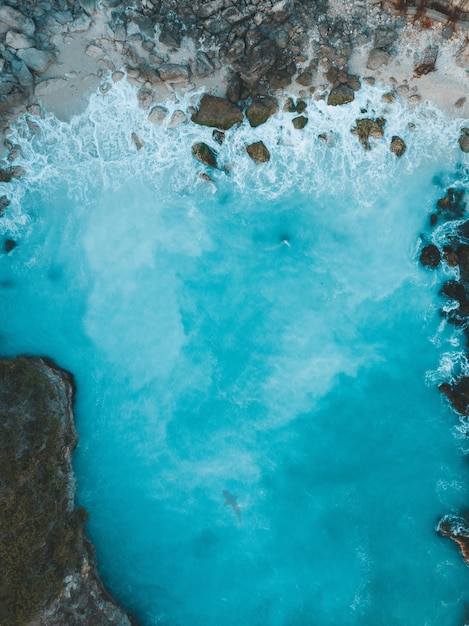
204,154
258,152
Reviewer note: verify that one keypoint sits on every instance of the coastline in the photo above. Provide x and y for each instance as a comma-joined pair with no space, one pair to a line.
419,60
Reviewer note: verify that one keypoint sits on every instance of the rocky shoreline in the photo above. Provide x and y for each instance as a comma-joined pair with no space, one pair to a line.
49,568
246,54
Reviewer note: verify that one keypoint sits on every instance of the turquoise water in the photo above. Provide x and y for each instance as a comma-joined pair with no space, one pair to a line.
270,333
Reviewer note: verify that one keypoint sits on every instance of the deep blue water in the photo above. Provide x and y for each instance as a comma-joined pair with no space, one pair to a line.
270,333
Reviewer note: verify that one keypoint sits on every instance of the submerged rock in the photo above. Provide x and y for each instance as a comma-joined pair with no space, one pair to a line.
9,245
217,113
452,206
258,152
4,202
204,154
49,574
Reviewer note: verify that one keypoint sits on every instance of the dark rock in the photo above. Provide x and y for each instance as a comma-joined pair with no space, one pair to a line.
458,394
450,256
464,142
219,136
4,202
428,61
202,65
9,245
204,154
430,256
342,94
174,73
455,291
433,219
398,146
452,206
353,82
258,152
217,112
305,78
5,175
457,529
171,32
368,127
291,107
261,110
257,63
299,122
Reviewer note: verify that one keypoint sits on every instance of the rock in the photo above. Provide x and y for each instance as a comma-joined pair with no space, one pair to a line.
217,112
145,98
464,143
174,73
305,78
17,41
430,256
342,94
377,58
137,141
327,138
4,202
456,528
9,245
11,19
460,102
428,61
45,87
37,60
368,127
202,66
93,51
210,8
171,33
388,97
397,146
22,74
260,110
204,154
299,122
257,63
5,175
157,114
258,152
81,24
219,136
414,99
55,581
177,118
458,394
452,206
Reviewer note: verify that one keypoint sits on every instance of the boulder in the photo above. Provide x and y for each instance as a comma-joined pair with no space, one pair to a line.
457,529
427,62
258,152
430,256
464,142
174,73
80,24
17,41
157,115
377,58
45,87
217,113
204,154
36,60
257,63
261,110
299,122
397,146
9,245
12,19
145,98
177,118
4,202
368,127
5,175
342,94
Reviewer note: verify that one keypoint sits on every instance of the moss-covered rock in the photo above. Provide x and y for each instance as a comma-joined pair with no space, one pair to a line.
261,110
258,152
204,154
42,540
217,113
367,127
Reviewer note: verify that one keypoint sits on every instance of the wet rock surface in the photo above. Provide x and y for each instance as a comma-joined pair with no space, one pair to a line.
258,152
217,113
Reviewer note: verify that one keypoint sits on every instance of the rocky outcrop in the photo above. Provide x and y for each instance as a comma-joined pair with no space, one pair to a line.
397,146
49,574
430,256
367,127
457,529
217,113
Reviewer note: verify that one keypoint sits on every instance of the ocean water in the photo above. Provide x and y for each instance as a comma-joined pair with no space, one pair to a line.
270,333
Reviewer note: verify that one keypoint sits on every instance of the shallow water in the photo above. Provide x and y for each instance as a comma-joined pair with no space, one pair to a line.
270,333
